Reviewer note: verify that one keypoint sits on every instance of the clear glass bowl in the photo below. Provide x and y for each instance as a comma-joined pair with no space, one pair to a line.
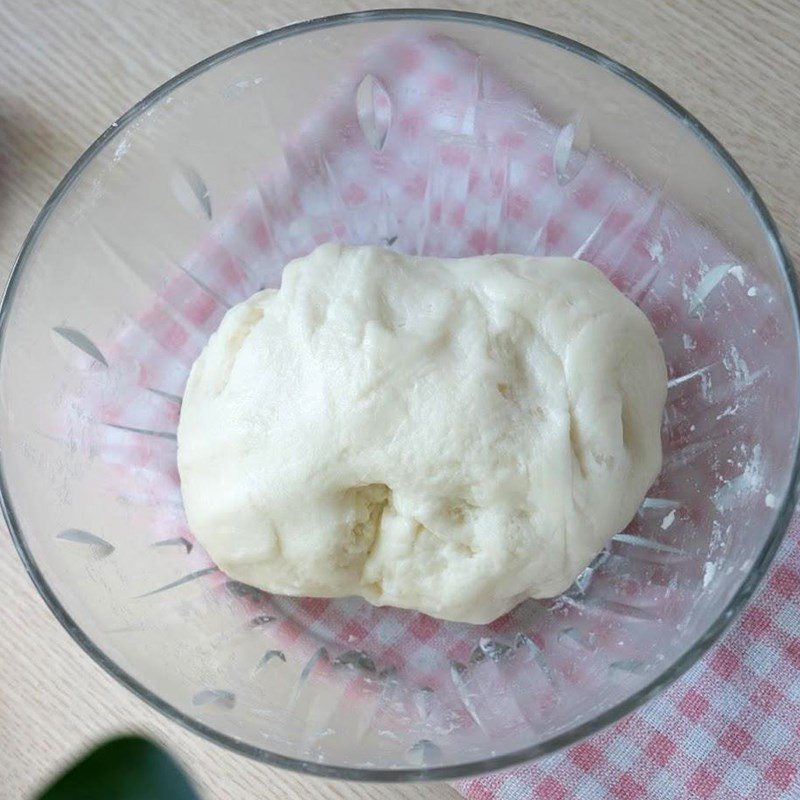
474,134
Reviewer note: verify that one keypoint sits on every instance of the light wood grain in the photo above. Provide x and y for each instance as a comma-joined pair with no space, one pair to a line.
68,69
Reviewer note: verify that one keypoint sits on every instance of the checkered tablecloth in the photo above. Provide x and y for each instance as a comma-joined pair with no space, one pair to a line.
729,728
442,157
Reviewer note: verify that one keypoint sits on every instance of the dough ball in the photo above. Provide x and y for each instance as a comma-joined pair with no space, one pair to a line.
447,435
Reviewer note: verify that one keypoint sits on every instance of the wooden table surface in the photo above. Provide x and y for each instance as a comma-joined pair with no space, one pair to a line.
68,69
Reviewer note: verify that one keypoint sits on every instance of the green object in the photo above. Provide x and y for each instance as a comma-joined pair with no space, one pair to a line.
129,768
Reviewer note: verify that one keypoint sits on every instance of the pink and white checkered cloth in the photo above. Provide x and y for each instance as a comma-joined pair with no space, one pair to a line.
728,728
438,172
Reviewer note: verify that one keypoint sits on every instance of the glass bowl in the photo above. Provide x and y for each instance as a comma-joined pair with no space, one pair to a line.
433,132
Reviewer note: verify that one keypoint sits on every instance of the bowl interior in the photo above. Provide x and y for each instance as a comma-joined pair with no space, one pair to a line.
441,135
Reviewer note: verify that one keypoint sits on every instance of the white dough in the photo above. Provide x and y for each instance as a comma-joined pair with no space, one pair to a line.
451,436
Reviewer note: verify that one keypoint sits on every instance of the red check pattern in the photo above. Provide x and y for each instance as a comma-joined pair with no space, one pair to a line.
727,729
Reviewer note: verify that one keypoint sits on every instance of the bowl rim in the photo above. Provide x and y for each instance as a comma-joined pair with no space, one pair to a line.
495,762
